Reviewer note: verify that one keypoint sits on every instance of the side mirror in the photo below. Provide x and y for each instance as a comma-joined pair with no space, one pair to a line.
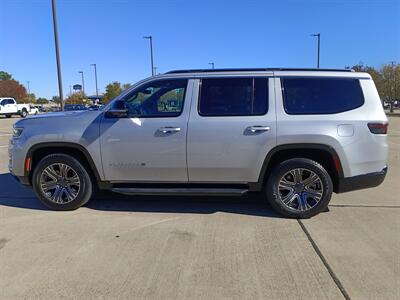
118,110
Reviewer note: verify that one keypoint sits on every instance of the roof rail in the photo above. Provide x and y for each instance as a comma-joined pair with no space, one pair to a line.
255,70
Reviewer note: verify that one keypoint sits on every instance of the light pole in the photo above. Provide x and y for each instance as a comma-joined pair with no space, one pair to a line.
29,89
155,70
95,77
53,3
150,38
212,65
83,83
318,35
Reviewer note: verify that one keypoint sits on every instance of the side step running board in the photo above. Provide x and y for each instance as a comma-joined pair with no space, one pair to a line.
182,191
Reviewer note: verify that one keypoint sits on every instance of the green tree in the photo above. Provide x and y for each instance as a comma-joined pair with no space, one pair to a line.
42,100
5,76
391,83
56,99
112,90
126,86
387,81
30,98
75,98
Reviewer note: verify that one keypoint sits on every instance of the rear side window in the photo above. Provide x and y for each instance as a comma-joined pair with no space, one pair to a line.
321,95
233,97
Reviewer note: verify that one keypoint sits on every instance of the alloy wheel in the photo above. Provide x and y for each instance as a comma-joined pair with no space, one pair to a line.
300,189
60,183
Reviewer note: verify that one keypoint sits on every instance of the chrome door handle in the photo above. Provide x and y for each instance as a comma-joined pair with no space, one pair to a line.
258,128
169,129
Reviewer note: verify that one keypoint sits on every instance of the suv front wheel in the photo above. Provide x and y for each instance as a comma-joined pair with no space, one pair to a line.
61,182
299,188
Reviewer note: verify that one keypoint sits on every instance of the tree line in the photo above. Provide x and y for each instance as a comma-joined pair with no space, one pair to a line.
386,78
387,81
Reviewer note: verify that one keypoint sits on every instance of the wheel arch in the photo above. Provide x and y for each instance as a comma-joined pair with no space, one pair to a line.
38,151
323,154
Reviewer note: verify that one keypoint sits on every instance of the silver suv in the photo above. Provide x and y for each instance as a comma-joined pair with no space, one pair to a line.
296,135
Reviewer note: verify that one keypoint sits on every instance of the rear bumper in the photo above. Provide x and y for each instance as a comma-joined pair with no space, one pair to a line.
359,182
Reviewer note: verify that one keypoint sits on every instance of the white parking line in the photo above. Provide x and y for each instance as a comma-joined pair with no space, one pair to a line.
3,146
6,134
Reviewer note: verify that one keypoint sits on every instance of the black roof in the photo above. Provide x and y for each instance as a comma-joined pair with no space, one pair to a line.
255,70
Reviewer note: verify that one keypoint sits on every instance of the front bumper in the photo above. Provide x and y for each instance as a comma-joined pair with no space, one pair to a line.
359,182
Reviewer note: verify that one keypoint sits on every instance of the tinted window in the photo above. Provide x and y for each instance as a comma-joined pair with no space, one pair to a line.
321,95
163,98
233,97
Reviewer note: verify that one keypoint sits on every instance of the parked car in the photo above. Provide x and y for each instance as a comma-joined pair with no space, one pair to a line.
95,107
33,110
41,108
69,107
295,135
9,107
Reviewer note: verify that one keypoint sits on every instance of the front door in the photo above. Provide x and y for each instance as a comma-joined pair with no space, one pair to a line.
149,145
8,106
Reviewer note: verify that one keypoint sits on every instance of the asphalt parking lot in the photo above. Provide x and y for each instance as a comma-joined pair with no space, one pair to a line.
200,248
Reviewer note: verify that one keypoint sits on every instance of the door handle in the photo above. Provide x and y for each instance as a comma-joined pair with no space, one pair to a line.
258,128
167,129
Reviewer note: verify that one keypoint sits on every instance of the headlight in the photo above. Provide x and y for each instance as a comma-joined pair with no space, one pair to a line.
17,131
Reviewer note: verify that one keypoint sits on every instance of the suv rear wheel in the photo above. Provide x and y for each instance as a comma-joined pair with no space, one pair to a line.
299,188
61,182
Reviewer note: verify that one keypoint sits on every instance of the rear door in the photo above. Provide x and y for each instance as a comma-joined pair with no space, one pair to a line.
232,127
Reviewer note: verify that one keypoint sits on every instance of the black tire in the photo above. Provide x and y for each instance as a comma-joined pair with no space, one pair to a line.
85,191
274,196
23,113
8,116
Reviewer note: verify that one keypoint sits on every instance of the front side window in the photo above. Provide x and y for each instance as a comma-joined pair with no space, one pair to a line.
233,97
163,98
321,95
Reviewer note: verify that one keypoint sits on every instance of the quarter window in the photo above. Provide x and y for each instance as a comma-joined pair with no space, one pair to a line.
163,98
321,95
233,97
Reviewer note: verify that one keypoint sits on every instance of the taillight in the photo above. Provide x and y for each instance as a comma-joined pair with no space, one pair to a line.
378,128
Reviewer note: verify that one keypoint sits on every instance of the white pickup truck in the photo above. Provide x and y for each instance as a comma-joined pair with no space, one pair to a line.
9,107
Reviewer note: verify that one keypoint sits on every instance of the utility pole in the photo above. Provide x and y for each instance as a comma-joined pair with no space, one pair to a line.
155,70
29,89
95,77
318,35
150,38
393,93
83,83
53,2
212,65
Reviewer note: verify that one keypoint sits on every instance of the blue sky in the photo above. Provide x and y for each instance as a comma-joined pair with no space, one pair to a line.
189,34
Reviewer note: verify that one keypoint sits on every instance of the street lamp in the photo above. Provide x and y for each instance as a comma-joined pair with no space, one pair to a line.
155,70
318,35
83,83
29,90
53,3
95,77
212,65
150,38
